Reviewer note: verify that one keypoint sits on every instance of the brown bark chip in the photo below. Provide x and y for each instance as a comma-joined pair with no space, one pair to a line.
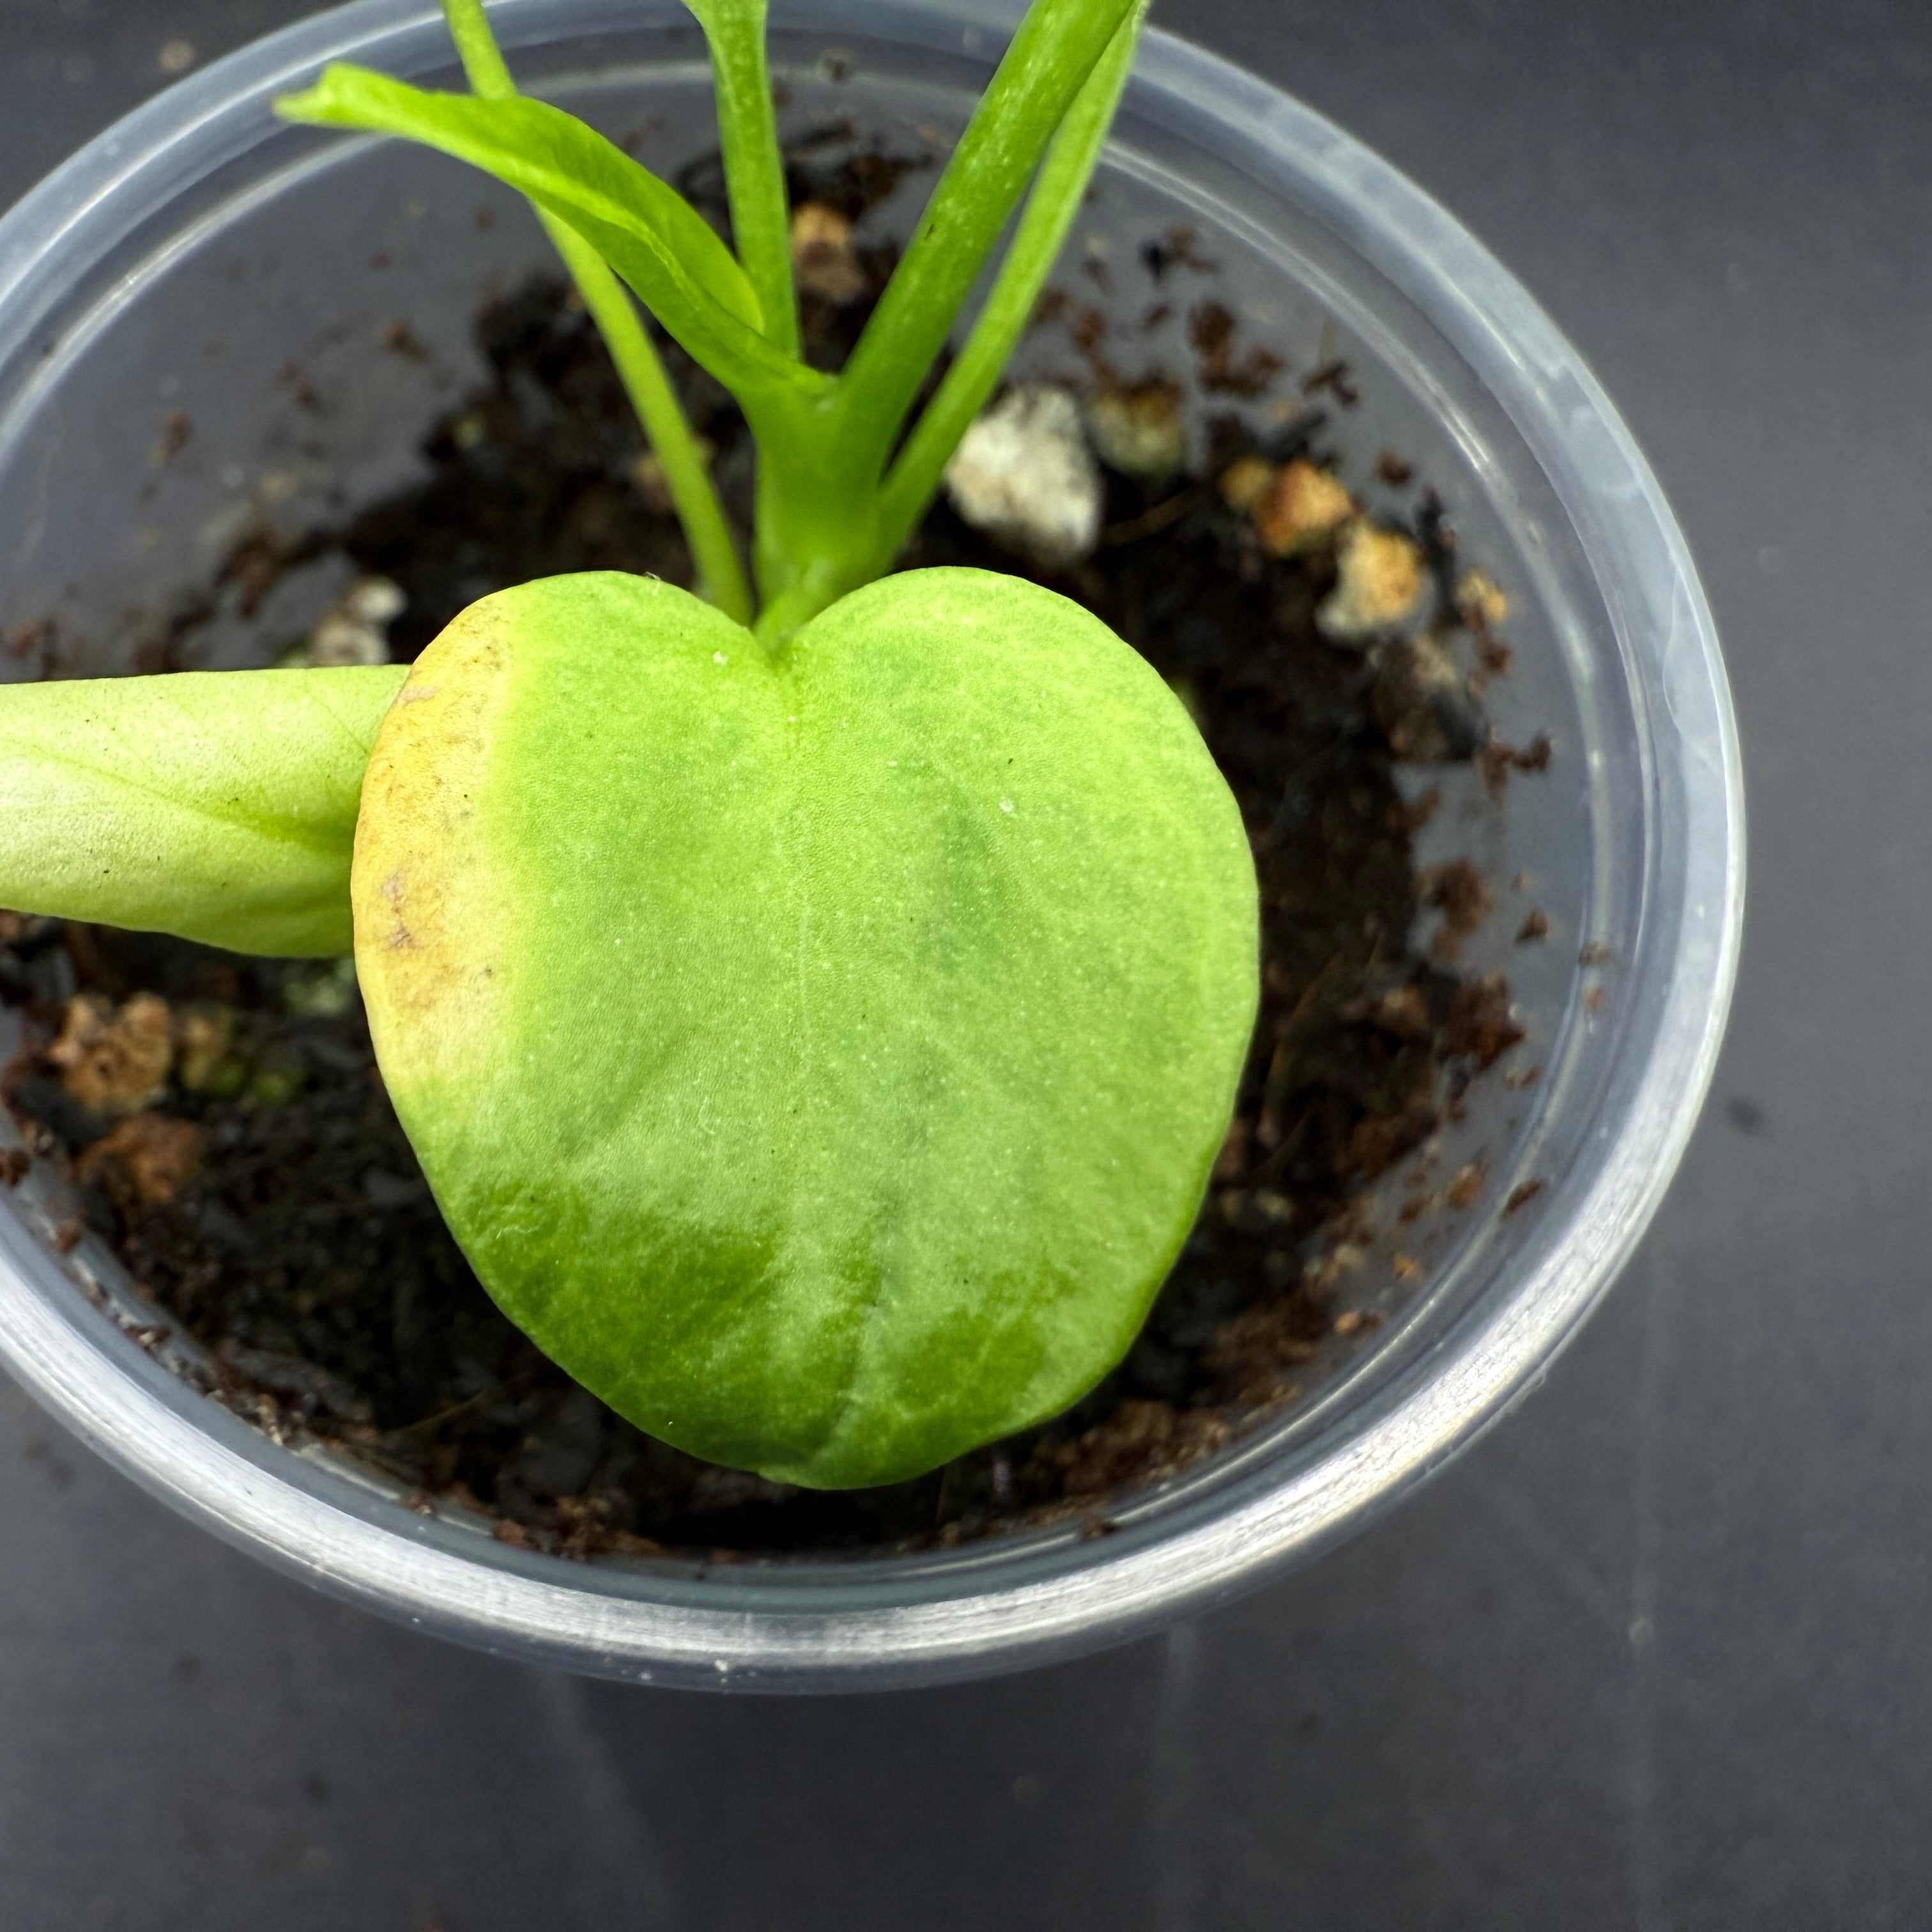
114,1062
155,1155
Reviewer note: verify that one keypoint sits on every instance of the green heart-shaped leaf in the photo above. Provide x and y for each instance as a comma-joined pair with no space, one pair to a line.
820,1055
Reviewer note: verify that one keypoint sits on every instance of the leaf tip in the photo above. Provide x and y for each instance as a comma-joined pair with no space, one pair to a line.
304,106
328,101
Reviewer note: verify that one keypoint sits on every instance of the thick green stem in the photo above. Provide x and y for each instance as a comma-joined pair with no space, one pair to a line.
747,132
1058,44
814,518
721,576
1037,244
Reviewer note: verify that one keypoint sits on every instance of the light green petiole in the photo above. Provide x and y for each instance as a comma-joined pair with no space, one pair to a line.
747,132
721,576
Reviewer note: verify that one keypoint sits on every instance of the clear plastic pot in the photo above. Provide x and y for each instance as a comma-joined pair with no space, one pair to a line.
192,316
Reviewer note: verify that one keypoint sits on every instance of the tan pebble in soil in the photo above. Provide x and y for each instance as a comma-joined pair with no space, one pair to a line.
1244,481
1479,600
1403,1012
114,1062
355,630
823,259
1301,507
1139,431
1272,1206
1380,580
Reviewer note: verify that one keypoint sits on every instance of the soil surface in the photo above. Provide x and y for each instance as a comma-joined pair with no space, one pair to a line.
225,1121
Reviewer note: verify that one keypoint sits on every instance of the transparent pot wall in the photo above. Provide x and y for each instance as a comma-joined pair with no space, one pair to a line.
238,329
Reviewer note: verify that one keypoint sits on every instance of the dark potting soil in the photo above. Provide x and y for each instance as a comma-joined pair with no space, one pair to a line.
232,1138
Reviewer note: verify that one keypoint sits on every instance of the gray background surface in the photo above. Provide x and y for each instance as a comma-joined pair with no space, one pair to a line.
1656,1654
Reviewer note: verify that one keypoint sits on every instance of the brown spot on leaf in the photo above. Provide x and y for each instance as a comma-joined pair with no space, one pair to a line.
420,878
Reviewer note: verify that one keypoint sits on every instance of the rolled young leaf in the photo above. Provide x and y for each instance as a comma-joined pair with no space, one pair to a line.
1057,47
747,133
1013,299
217,805
642,226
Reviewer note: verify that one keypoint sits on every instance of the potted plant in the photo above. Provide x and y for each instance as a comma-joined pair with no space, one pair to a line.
511,1104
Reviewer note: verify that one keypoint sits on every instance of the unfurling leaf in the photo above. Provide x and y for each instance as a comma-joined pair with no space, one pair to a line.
642,226
820,1055
221,806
